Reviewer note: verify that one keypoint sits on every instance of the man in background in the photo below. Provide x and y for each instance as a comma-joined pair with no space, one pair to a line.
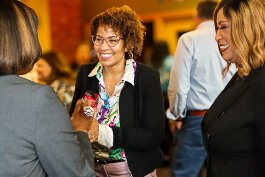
196,79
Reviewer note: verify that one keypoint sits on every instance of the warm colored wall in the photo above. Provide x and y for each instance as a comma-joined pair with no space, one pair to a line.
93,7
42,9
66,25
168,24
59,24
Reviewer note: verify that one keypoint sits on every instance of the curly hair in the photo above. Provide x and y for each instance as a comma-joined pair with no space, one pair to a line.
125,21
247,32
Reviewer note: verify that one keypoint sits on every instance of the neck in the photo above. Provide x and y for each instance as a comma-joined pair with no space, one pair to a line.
114,71
111,76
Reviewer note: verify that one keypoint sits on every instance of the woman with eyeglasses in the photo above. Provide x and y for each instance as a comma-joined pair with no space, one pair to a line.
123,97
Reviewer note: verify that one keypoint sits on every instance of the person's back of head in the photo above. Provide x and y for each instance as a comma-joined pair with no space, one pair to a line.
205,9
19,45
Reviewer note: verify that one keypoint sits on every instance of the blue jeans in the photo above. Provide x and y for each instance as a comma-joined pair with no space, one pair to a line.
189,153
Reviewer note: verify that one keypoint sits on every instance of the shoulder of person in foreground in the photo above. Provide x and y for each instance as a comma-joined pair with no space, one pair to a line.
57,145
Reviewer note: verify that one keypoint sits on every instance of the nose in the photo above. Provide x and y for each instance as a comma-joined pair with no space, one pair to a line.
104,45
218,36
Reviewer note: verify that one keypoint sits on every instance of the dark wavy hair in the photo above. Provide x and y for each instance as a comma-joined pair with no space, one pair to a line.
206,8
19,44
124,21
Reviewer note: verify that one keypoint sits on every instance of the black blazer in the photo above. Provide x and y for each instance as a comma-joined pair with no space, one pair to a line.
234,128
141,117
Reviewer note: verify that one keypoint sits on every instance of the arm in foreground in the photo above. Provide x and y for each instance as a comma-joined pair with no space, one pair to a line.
61,150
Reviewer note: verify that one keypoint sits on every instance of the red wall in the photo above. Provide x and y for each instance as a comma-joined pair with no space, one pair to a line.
66,26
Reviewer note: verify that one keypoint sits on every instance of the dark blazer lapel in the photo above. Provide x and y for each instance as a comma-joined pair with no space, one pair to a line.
231,82
92,85
229,96
225,99
126,104
240,86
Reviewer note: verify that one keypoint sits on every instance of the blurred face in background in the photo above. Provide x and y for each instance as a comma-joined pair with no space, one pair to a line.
223,37
44,70
82,55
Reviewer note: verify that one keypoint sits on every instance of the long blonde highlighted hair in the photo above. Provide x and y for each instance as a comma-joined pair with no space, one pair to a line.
247,32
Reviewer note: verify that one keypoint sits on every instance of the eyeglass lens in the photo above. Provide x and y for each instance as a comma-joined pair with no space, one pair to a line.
111,41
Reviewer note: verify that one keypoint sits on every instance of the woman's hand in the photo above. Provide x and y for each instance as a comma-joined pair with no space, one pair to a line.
93,132
80,121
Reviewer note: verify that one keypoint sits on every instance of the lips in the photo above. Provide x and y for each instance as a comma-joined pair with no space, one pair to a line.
223,47
105,55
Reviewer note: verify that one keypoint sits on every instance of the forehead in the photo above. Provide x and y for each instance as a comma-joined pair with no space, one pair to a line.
104,30
220,16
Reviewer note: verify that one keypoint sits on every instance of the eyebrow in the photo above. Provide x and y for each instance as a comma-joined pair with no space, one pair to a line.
107,36
220,22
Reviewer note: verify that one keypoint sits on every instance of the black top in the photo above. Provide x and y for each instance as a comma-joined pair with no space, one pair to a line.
234,128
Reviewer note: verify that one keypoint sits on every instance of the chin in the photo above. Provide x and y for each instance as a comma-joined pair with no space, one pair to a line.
107,64
227,58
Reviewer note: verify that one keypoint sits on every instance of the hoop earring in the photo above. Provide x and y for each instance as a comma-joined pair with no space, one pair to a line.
130,53
226,69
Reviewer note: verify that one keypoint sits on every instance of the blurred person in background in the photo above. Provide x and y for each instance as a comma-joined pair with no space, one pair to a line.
53,70
128,124
195,81
161,60
83,55
233,127
36,135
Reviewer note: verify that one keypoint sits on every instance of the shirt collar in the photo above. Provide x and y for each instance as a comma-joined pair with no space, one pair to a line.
207,23
97,69
130,68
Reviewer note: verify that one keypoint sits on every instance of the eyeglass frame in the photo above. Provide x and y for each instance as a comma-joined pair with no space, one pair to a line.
104,39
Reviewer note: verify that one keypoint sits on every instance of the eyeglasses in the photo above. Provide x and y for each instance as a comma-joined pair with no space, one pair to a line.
112,41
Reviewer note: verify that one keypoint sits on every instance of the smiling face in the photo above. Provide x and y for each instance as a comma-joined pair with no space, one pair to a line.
107,55
223,37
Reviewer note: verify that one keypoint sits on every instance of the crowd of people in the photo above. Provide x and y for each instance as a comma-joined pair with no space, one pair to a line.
200,110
